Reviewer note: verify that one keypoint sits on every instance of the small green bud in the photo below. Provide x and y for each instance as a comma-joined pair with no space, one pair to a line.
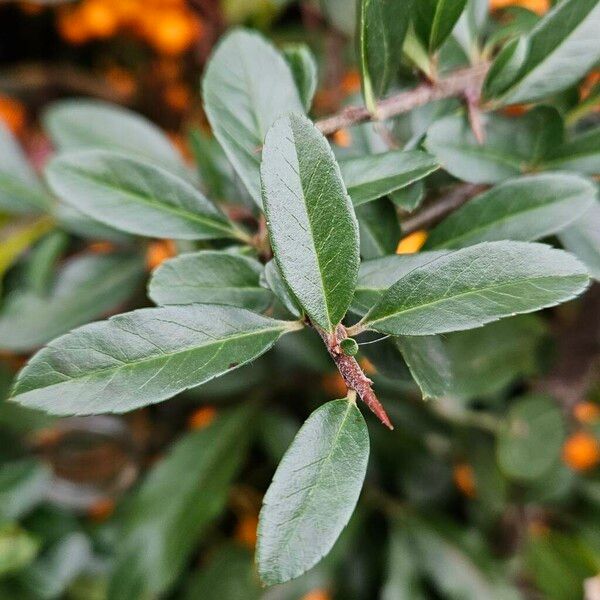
349,346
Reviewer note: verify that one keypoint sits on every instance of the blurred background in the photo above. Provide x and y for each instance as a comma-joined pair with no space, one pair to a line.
439,515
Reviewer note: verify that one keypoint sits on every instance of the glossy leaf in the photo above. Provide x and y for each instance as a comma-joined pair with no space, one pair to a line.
135,196
582,238
435,19
561,48
209,277
511,147
143,357
373,176
382,26
311,221
313,493
304,69
21,191
477,285
247,86
532,439
78,124
86,288
183,494
527,208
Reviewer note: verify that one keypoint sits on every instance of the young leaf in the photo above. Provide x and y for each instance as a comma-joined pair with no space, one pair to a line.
435,19
532,439
20,188
477,285
143,357
382,26
511,147
311,221
85,124
247,86
304,69
179,499
313,493
210,277
583,239
135,196
86,288
527,208
373,176
560,50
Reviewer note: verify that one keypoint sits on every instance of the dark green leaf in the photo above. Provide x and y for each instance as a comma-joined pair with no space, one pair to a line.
435,19
382,26
373,176
135,196
143,357
311,221
247,86
86,288
304,69
210,277
477,285
274,281
20,188
313,493
527,208
179,499
561,48
23,485
379,228
581,154
410,197
583,239
532,439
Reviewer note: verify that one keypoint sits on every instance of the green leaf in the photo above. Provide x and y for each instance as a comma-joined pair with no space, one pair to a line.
273,280
247,86
303,65
20,188
470,26
182,495
229,576
17,548
527,208
373,176
135,196
313,493
477,285
210,277
506,67
429,364
435,19
87,287
382,27
79,124
311,221
581,154
532,439
561,48
379,228
512,146
23,485
410,197
143,357
583,239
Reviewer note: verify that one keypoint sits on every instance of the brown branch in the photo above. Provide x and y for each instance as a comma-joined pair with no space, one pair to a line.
454,85
352,374
436,211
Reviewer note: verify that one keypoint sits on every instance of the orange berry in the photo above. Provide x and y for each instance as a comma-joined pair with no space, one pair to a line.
72,28
342,138
351,82
101,509
177,97
464,479
412,243
12,114
31,8
245,531
367,366
516,110
159,251
589,83
581,451
173,32
101,247
536,6
587,412
121,80
100,19
334,385
538,528
202,417
317,594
